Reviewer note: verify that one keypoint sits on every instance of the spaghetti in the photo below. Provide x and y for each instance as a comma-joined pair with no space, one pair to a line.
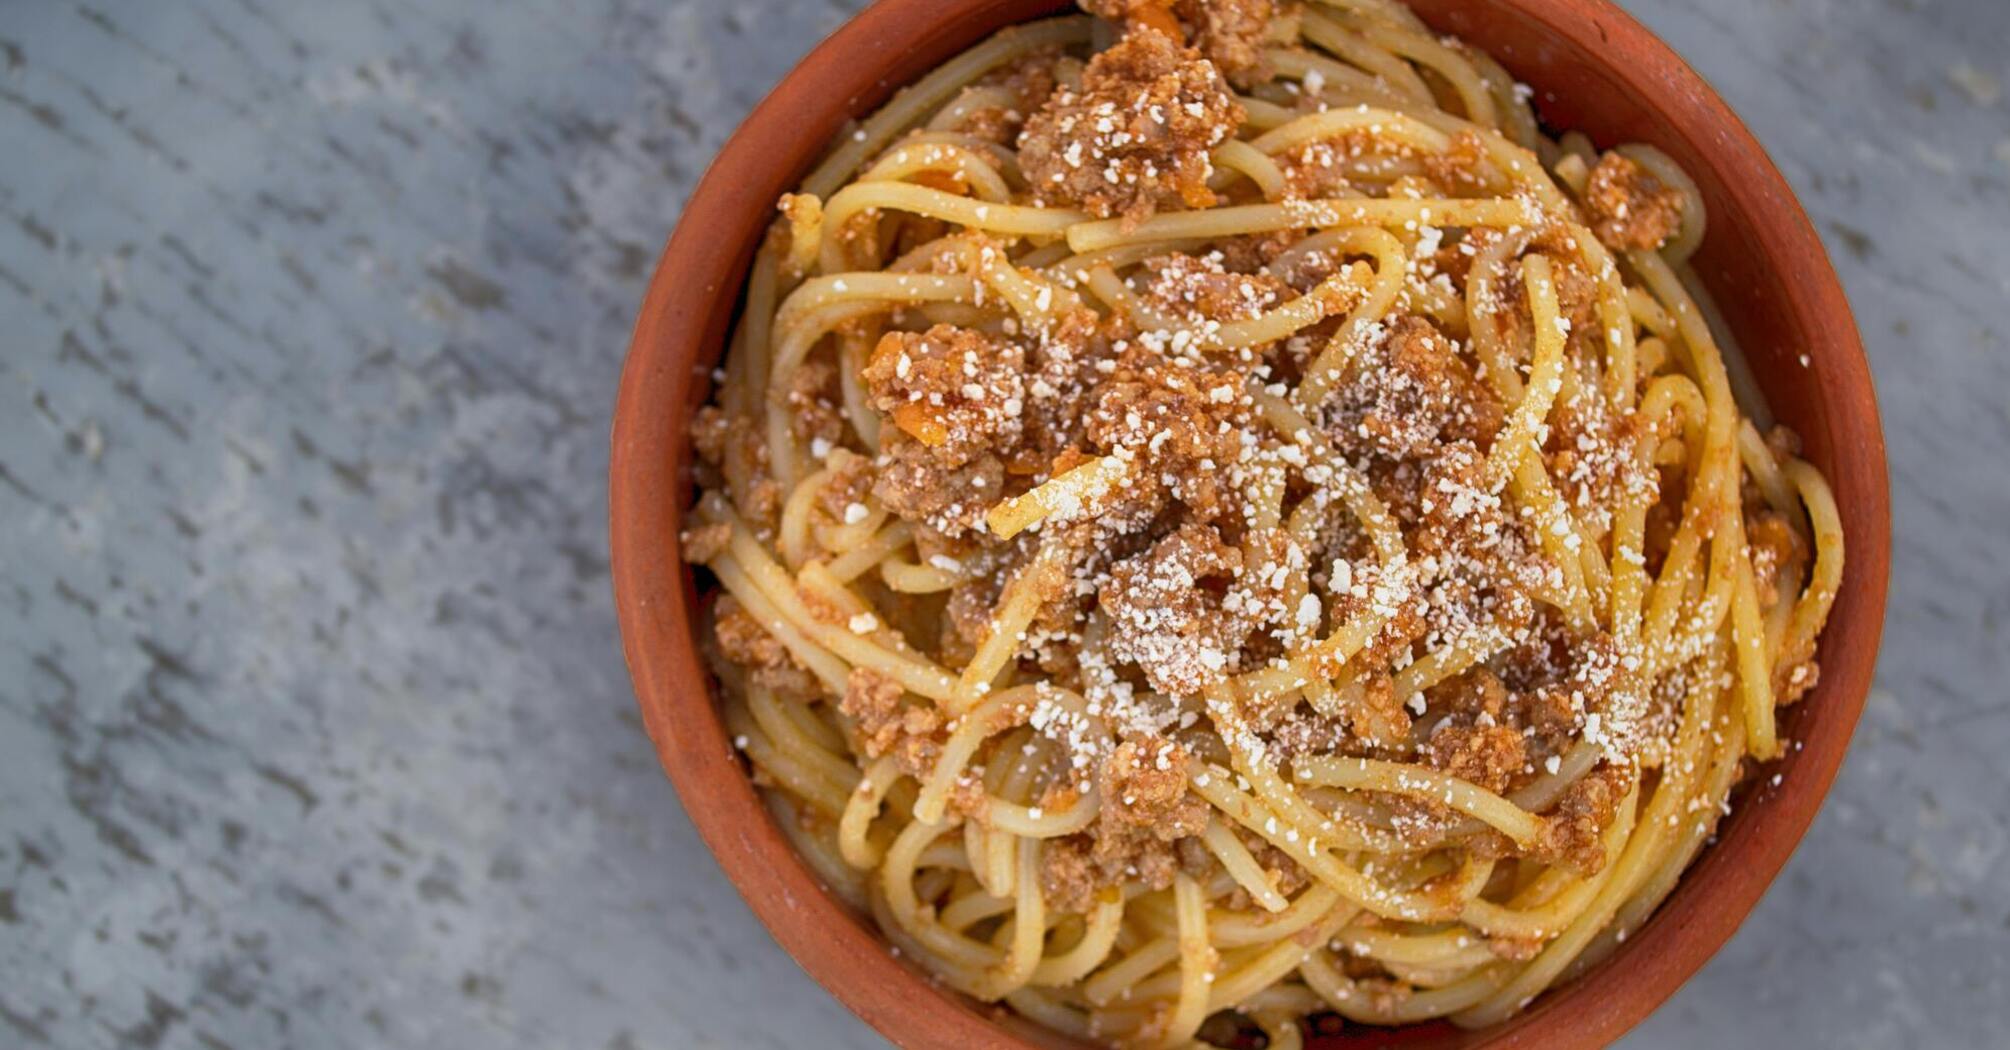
1219,519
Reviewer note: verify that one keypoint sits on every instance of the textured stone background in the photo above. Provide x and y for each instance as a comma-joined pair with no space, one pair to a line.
313,726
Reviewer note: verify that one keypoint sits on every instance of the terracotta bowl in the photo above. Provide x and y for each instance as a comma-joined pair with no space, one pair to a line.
1594,69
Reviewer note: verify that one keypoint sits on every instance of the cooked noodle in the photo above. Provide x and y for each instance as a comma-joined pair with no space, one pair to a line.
1335,574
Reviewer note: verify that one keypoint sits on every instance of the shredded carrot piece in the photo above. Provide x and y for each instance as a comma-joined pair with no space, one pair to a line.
946,181
918,420
1159,16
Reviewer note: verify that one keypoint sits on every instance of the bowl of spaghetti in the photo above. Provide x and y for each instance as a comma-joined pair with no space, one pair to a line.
1221,522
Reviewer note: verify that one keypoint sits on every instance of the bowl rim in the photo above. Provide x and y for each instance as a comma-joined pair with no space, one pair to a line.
692,295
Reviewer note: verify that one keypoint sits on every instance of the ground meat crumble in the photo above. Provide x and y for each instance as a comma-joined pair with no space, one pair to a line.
1166,608
1572,832
912,733
1026,83
1229,32
1185,423
1135,136
1630,208
1200,289
743,641
1492,756
955,390
1407,391
915,484
1146,812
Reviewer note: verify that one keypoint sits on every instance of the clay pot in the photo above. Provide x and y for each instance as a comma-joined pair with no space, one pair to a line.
1595,70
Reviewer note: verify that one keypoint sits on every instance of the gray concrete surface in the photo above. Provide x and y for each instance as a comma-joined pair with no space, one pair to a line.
313,726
